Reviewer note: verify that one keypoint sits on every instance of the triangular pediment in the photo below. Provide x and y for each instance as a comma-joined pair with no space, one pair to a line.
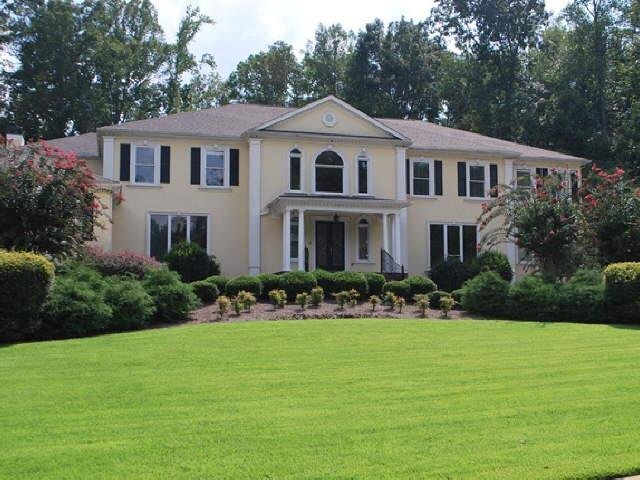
330,116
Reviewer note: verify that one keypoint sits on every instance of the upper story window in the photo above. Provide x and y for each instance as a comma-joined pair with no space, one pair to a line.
363,164
329,173
421,173
295,170
145,165
477,181
215,167
364,254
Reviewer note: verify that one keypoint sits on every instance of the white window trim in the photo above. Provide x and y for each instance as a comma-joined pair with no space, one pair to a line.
156,163
293,254
445,234
369,193
345,177
288,163
178,214
358,259
203,165
487,180
524,168
432,182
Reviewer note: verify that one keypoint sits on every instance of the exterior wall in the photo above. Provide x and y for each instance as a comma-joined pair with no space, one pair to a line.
104,232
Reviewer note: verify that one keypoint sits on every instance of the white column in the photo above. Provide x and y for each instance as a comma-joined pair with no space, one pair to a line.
254,204
401,194
512,251
301,239
385,232
108,157
286,240
397,245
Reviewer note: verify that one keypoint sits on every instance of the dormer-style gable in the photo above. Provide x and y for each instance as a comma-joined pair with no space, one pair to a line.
330,116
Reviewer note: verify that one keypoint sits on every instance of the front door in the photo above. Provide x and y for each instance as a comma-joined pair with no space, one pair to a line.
330,246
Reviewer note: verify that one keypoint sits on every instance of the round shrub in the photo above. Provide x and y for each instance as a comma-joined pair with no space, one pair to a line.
457,295
532,298
622,291
581,299
76,308
248,283
206,291
487,293
492,261
172,298
375,282
434,298
132,306
25,280
420,285
297,282
450,274
326,280
121,263
398,288
192,262
219,281
347,281
270,281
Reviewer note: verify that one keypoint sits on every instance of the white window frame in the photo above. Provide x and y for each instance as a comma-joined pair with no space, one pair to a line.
294,220
487,180
445,234
203,165
345,178
289,153
358,227
432,183
169,217
532,175
364,155
156,163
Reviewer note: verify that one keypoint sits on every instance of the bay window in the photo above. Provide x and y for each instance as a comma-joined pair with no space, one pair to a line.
452,241
166,230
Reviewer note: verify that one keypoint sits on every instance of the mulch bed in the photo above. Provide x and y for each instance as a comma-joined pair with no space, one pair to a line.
328,309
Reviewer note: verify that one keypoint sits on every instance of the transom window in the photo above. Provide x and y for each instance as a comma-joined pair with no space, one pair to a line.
363,173
329,172
452,242
215,163
421,177
364,254
145,169
166,230
295,170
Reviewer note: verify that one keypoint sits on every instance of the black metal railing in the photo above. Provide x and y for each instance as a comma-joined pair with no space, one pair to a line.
391,269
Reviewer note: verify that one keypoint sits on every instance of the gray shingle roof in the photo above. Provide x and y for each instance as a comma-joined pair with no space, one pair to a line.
231,121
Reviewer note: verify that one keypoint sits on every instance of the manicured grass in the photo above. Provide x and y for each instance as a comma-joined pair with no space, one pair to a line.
326,399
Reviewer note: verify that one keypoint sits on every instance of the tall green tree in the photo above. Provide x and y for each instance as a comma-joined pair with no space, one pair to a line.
205,87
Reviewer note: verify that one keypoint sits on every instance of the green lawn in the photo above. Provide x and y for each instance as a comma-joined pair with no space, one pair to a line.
340,399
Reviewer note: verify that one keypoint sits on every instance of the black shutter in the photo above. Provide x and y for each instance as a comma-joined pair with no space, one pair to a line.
125,162
437,167
462,179
165,164
234,167
408,175
493,179
195,166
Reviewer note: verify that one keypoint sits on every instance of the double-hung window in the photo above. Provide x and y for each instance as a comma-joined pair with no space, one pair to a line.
364,173
523,178
145,165
478,180
421,177
215,166
166,230
452,241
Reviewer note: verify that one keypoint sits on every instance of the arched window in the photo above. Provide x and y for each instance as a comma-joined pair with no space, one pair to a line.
363,173
295,170
329,172
363,240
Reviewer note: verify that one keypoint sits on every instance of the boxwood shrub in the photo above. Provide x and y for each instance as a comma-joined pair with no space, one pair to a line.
172,298
399,288
248,283
219,281
206,291
297,282
326,280
487,293
132,307
492,261
25,280
376,282
192,262
622,291
581,299
347,281
270,281
434,298
532,298
450,274
420,285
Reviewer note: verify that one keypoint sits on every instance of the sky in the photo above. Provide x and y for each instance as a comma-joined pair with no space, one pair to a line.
244,27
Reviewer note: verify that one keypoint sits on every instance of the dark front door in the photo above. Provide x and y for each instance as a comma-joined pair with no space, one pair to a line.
330,246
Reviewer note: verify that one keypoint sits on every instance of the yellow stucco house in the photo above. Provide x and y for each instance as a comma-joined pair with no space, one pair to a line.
268,189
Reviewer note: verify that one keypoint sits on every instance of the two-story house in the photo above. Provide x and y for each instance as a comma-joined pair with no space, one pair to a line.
269,189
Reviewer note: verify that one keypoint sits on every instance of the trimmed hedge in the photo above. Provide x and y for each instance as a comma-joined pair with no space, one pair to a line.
206,291
450,274
420,285
399,288
376,282
347,281
270,281
248,283
534,299
487,293
492,261
25,280
582,298
622,291
132,307
326,280
434,298
172,298
297,282
457,296
219,281
192,262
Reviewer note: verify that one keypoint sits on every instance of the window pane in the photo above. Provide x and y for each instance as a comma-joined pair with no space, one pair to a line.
476,173
476,189
178,230
329,158
436,243
144,156
523,178
294,173
469,243
329,179
144,174
453,241
363,241
420,187
198,230
158,236
215,177
215,159
293,238
420,170
363,167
